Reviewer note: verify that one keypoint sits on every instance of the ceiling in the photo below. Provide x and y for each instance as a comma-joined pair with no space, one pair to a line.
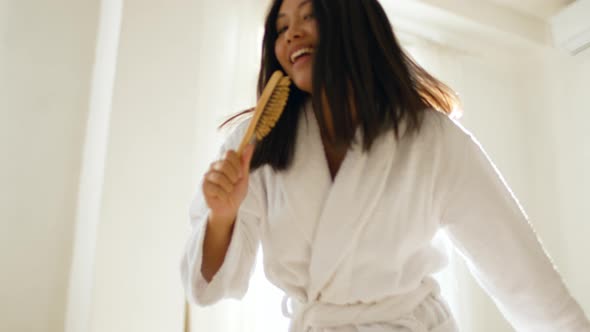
542,9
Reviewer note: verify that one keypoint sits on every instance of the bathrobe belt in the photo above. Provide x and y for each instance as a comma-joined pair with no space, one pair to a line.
394,309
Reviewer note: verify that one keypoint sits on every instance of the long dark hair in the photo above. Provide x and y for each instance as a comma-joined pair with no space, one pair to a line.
358,65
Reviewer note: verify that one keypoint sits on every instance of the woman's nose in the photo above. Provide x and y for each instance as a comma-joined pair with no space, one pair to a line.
293,32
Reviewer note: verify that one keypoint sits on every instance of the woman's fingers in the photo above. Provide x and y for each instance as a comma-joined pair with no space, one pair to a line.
211,189
220,179
228,169
234,160
225,183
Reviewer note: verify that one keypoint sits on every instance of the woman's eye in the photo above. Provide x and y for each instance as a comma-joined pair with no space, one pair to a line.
308,16
281,30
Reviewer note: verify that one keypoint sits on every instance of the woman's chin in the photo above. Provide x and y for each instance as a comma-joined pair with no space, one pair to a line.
303,85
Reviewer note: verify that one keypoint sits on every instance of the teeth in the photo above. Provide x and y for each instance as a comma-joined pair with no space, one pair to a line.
299,53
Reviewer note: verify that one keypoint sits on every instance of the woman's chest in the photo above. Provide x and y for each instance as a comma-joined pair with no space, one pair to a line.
396,207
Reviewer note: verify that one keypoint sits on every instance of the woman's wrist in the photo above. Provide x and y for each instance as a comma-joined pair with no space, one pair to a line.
220,225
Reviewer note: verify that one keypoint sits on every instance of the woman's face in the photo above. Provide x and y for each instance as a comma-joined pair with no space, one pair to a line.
297,37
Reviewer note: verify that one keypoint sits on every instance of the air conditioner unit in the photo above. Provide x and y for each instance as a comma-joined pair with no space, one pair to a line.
571,28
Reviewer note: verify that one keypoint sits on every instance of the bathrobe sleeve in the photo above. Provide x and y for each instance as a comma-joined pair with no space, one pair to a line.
232,279
487,225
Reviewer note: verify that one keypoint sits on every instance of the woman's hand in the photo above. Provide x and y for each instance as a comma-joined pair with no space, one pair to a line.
225,186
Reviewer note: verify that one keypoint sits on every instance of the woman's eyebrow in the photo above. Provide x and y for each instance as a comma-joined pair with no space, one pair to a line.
298,6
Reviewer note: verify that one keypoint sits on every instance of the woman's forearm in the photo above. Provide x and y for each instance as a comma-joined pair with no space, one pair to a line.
217,239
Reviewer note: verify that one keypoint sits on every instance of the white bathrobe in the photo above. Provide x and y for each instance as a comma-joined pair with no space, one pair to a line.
356,253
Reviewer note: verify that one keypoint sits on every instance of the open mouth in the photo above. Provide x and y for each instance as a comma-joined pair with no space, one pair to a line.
301,54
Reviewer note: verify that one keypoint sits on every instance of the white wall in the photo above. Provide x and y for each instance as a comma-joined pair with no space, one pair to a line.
45,66
81,274
148,170
570,112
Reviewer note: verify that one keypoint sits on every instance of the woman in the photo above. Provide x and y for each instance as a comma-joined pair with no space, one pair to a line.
349,189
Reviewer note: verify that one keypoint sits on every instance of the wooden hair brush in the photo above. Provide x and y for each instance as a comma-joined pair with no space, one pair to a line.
268,110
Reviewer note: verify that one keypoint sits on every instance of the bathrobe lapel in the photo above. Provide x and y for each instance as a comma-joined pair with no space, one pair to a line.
307,183
349,204
335,212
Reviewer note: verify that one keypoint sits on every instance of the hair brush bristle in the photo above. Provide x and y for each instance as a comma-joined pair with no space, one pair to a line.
273,109
270,106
